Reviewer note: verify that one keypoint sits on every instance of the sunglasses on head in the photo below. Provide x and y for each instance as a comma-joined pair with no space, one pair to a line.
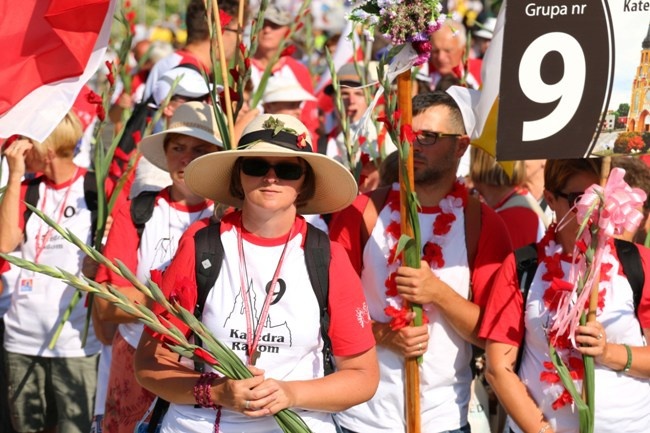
258,167
571,197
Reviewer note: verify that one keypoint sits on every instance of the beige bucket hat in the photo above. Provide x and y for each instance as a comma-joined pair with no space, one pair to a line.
274,135
194,119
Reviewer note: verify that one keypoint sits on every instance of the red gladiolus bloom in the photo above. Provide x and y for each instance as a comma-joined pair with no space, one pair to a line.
203,355
407,134
183,289
110,77
234,73
224,18
288,51
137,137
94,98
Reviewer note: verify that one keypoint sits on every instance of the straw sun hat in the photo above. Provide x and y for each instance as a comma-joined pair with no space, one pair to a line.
274,135
194,119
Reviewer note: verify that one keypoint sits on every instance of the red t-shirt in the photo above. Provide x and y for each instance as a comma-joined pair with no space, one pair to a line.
522,223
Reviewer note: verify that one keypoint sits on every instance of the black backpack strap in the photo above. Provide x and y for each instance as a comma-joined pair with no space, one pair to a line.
526,260
630,258
90,196
141,113
208,258
31,197
157,413
141,210
317,258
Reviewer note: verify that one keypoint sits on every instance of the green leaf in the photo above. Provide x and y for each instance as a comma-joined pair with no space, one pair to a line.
585,415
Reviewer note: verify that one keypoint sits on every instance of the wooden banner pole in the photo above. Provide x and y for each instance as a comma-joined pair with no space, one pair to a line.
412,370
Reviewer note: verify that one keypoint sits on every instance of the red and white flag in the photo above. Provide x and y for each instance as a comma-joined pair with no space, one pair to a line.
51,48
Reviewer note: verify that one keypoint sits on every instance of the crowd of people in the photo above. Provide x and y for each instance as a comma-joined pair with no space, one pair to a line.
284,242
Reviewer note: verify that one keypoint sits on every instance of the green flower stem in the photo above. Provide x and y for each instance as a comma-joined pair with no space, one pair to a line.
65,317
584,412
351,148
228,363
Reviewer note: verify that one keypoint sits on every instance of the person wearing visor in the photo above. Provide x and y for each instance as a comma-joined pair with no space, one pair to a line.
263,304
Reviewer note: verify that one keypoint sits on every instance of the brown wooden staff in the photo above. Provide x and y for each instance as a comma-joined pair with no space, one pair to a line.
223,62
412,370
606,166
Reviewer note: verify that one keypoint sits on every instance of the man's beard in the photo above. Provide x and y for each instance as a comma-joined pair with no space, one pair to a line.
429,174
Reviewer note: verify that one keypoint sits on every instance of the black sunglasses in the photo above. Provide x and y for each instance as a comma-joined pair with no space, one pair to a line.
571,197
258,167
429,138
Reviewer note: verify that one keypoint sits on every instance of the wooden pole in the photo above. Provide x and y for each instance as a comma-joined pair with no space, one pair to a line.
223,63
411,367
593,296
240,33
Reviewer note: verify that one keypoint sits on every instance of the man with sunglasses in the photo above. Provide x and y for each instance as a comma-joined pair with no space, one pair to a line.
448,218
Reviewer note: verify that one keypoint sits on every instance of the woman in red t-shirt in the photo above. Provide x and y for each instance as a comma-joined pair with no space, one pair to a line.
532,392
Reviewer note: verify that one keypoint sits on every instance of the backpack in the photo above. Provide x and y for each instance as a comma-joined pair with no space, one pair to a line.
141,209
208,259
628,255
90,196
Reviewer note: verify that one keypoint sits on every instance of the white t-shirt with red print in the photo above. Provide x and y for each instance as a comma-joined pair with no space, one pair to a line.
445,374
158,245
38,302
290,342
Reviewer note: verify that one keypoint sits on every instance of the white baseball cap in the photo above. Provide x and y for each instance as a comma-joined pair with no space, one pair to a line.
191,85
284,89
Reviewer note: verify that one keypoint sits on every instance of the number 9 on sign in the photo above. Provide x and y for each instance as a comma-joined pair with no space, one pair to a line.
567,91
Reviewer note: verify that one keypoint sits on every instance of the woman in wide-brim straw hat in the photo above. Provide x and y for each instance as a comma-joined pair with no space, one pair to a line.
151,244
271,178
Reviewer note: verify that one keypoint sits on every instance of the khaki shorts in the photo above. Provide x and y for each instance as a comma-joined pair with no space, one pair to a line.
48,392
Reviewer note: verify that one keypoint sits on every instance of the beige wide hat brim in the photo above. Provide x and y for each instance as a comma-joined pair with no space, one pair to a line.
209,176
152,147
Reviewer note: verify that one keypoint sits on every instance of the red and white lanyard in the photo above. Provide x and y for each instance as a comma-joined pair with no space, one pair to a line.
253,339
41,242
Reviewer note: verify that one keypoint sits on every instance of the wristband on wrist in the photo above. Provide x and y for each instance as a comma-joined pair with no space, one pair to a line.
544,428
201,390
628,365
203,396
